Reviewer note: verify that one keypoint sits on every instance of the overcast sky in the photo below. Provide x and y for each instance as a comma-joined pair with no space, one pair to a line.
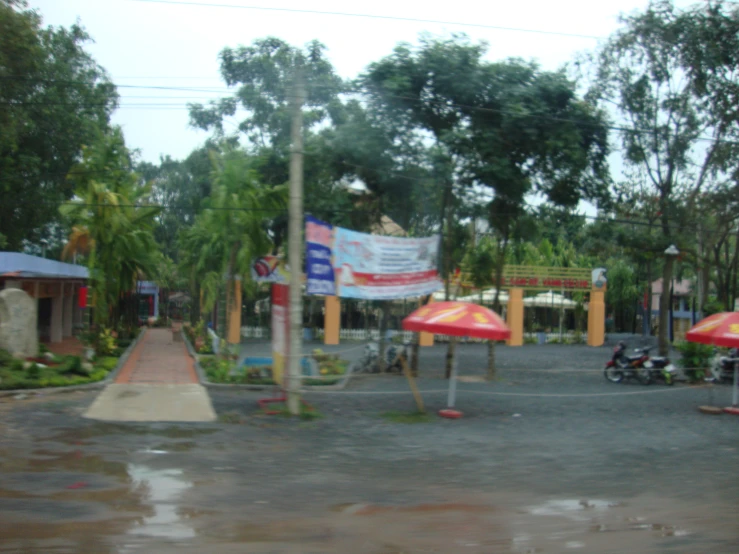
143,43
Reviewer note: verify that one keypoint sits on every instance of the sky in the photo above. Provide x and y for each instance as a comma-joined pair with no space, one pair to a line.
144,43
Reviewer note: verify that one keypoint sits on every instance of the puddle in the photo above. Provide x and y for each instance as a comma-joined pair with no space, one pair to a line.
574,509
164,487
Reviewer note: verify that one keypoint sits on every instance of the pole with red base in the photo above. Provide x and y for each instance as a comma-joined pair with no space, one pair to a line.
734,409
450,412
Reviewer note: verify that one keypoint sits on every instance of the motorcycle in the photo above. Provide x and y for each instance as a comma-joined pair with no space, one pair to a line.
722,367
638,366
659,367
394,354
369,362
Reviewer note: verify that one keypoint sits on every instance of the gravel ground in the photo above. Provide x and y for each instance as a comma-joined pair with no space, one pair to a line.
544,460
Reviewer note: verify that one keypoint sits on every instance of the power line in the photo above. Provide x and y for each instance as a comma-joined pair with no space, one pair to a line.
375,16
171,106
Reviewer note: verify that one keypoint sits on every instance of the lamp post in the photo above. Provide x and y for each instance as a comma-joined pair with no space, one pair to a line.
665,301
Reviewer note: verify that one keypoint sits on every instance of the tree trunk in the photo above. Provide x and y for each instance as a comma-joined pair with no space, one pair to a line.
491,360
496,303
383,331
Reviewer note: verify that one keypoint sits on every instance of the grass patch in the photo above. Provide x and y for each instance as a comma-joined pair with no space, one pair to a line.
307,413
230,417
321,382
406,417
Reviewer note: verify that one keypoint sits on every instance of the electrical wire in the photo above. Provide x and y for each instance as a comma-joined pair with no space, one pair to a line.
172,106
374,16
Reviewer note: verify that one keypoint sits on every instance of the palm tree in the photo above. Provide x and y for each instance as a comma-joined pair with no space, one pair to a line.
232,229
112,225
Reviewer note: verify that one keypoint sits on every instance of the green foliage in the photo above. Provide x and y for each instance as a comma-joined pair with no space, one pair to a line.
696,358
54,98
5,357
106,344
34,371
218,370
224,240
106,363
68,372
112,223
713,306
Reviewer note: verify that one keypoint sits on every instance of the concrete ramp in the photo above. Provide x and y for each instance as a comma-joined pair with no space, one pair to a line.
152,403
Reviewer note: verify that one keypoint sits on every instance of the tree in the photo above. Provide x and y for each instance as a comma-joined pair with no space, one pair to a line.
112,225
180,186
54,98
508,127
232,228
667,75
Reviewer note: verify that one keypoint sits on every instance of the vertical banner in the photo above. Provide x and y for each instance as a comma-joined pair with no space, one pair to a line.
318,267
280,330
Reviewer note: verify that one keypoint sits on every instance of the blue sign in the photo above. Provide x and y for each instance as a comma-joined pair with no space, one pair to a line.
319,268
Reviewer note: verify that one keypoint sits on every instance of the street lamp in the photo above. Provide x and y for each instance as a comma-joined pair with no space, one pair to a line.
671,252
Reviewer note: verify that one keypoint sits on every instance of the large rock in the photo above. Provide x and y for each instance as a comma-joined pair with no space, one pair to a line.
18,332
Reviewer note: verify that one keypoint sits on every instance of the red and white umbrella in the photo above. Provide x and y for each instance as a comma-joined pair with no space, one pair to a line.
720,330
457,319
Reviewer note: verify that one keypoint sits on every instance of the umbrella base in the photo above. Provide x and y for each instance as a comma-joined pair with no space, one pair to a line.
450,413
734,410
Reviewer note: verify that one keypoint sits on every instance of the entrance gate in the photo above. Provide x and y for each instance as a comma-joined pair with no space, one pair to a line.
516,279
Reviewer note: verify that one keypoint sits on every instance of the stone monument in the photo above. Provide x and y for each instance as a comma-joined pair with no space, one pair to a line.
18,331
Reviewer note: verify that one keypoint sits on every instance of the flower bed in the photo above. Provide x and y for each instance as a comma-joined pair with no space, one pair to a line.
49,370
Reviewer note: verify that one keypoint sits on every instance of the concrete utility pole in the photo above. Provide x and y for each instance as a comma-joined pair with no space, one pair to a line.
295,245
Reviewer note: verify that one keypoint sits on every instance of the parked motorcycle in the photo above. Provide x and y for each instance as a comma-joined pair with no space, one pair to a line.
638,366
369,362
722,367
659,367
395,353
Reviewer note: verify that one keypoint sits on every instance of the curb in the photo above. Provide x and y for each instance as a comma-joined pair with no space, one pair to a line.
203,378
89,386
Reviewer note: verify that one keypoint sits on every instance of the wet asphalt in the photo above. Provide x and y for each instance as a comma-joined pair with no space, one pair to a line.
547,458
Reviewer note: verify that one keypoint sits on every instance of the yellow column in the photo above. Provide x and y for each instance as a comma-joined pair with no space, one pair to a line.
597,318
426,339
234,315
514,318
332,320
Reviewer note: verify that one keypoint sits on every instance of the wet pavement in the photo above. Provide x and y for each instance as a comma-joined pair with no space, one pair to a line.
542,462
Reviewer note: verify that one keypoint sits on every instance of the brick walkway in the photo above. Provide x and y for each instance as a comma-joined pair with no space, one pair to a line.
158,360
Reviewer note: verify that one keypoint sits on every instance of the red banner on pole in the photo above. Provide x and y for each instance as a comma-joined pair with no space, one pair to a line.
280,331
82,297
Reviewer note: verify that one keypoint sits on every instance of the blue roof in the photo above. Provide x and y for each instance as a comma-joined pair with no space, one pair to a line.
16,264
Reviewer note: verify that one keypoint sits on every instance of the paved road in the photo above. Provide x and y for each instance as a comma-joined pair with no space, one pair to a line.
473,357
543,461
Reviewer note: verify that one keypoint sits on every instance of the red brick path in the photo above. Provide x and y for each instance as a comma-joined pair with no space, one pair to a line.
158,360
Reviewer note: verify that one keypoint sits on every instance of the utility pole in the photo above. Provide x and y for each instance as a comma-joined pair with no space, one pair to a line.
295,245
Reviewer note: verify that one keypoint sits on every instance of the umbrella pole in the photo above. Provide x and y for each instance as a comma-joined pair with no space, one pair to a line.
452,382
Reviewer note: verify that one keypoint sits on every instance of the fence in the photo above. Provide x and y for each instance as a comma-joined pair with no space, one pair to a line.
360,335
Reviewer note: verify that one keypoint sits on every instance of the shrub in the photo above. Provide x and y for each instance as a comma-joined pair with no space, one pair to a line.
106,343
5,357
73,364
34,371
106,364
695,359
